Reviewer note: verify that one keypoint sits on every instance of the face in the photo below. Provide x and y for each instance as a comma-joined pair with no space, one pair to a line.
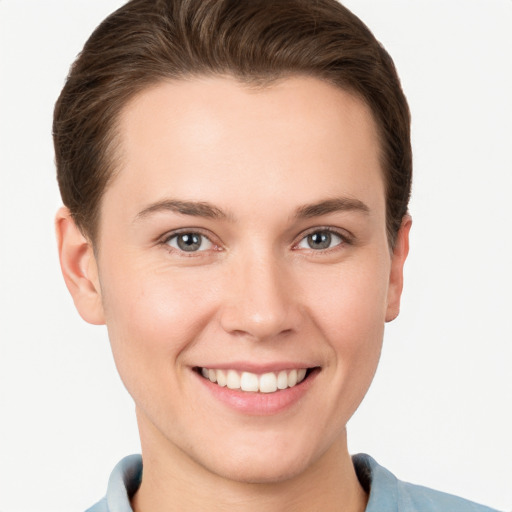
244,271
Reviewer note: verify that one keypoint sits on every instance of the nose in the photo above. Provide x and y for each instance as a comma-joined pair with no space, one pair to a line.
261,302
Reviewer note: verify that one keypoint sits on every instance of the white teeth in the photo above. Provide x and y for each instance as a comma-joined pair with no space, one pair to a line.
246,381
282,380
268,383
233,380
249,382
221,378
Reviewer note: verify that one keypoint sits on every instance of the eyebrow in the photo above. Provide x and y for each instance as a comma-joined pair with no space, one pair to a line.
207,210
338,204
193,208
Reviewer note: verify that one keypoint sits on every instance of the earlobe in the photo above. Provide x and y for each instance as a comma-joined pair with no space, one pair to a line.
396,276
79,268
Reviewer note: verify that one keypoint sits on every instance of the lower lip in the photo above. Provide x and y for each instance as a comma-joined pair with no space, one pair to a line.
259,404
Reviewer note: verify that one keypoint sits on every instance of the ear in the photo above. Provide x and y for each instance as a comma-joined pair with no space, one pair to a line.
396,275
79,268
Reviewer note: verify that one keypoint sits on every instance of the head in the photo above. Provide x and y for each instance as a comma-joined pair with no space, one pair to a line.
257,43
236,176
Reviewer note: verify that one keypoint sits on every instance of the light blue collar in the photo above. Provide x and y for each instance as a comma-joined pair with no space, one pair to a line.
387,493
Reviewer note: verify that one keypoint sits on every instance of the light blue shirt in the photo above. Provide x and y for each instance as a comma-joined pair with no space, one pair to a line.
387,493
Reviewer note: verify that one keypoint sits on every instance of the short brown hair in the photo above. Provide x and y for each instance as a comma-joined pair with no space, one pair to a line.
255,41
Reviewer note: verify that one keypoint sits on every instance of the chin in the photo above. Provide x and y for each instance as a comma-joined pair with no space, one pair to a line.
261,462
252,471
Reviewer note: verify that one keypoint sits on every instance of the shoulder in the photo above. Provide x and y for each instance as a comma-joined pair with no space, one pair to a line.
416,497
388,494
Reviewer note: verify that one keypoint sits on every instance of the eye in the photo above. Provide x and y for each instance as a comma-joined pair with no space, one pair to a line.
189,242
320,240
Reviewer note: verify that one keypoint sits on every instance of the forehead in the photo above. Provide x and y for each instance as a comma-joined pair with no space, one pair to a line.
216,139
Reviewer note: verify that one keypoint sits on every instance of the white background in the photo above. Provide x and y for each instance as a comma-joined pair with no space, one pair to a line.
439,412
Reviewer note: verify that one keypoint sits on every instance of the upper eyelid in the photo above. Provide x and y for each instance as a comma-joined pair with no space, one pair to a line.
164,240
175,232
345,235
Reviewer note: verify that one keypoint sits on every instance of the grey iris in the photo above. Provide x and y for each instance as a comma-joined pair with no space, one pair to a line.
319,240
189,242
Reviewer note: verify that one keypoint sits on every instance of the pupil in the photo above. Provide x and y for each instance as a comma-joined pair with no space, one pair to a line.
189,242
319,240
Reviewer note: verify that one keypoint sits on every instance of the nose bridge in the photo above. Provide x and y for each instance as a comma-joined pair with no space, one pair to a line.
259,299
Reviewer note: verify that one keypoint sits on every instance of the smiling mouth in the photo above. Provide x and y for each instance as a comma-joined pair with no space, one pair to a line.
270,382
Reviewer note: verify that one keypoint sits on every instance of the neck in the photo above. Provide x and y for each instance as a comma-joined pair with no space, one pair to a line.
172,481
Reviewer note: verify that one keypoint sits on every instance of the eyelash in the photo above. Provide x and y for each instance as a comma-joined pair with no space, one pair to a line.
190,231
344,238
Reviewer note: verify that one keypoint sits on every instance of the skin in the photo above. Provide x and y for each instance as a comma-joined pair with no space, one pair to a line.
255,292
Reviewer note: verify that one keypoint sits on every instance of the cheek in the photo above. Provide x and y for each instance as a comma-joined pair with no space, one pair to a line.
349,303
152,317
349,308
